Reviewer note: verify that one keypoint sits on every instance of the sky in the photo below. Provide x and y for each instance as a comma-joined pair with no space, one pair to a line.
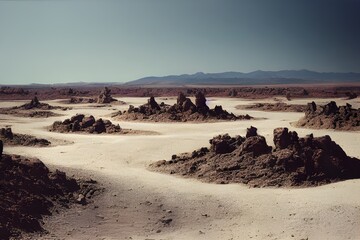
59,41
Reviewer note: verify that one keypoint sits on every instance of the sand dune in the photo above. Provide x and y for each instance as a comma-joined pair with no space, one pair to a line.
138,204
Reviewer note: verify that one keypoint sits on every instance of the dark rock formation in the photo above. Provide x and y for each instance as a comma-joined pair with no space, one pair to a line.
184,110
32,109
29,191
105,96
294,161
1,148
82,123
10,138
76,100
274,107
330,116
251,132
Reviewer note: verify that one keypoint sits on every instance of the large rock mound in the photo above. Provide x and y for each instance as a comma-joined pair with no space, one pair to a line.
183,110
10,138
82,123
330,116
294,161
28,191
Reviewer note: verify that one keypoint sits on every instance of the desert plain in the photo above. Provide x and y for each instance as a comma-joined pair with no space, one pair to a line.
138,203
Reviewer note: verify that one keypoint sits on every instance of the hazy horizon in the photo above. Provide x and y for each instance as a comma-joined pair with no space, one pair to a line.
119,41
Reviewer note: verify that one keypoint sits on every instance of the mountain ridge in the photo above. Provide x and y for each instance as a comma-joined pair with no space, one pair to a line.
255,78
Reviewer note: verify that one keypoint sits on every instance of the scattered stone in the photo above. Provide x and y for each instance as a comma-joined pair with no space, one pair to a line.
308,161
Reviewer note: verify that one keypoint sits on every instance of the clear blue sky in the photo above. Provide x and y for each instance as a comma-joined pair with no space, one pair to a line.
116,41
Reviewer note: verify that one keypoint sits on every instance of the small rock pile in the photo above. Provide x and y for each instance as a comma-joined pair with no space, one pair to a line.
184,110
105,96
82,123
28,191
330,116
294,161
10,138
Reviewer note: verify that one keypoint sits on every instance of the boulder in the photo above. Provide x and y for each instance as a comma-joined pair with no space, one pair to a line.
251,132
99,126
88,121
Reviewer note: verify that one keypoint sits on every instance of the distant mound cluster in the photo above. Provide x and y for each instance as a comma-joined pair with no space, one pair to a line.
32,109
294,161
82,123
330,116
184,110
10,138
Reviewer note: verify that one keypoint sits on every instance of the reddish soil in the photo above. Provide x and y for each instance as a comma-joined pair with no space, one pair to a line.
251,92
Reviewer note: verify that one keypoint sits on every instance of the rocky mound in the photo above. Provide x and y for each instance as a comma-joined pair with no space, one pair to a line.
29,191
330,116
32,109
78,100
274,107
82,123
184,110
10,138
105,96
294,161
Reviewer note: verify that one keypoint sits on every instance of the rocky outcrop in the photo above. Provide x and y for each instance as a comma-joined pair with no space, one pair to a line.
105,96
32,109
82,123
330,116
29,190
274,107
10,138
183,110
294,161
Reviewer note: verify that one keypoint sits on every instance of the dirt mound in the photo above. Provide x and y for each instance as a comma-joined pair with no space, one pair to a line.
294,161
105,96
330,116
82,123
29,190
34,109
78,100
274,107
10,138
184,110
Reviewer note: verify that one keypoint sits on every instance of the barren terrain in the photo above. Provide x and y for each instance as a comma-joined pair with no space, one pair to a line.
141,204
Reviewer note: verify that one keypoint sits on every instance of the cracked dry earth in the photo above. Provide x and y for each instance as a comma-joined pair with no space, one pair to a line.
140,204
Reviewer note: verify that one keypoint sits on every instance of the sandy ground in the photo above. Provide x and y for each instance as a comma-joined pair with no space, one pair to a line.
137,203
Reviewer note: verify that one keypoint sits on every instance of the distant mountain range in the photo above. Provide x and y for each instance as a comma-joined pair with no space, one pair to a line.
251,78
